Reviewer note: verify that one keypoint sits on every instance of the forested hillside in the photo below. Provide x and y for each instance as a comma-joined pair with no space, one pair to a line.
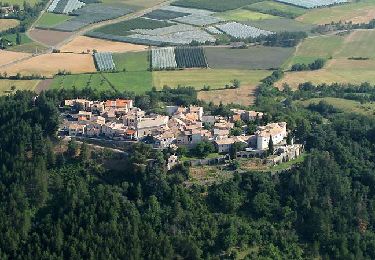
69,206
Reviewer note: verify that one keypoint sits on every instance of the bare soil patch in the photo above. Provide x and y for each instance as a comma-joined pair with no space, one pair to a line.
50,64
83,44
7,57
43,85
245,95
49,37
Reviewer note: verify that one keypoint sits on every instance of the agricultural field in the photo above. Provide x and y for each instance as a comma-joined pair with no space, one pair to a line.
276,8
243,15
12,38
356,12
241,31
20,2
137,4
49,37
340,67
87,44
31,47
217,5
132,61
137,82
161,14
49,20
50,64
313,4
124,28
245,95
104,61
9,86
9,56
252,58
215,78
6,24
344,105
93,13
65,6
312,49
358,44
163,58
190,57
281,25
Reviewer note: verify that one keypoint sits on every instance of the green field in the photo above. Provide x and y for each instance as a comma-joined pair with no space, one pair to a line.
137,82
20,2
198,78
241,15
359,44
51,20
358,12
6,85
252,58
124,28
217,5
132,61
281,25
317,47
344,105
13,37
275,8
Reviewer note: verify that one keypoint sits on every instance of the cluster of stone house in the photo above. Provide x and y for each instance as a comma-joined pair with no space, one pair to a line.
180,126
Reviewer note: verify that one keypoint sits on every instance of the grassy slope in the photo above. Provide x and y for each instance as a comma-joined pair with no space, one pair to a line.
51,19
344,105
244,15
345,12
215,78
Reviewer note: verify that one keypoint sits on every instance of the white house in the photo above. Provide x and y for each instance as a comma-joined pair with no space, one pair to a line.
276,131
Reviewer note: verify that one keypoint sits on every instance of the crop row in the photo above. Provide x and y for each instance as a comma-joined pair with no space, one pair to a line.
242,31
179,57
65,6
104,61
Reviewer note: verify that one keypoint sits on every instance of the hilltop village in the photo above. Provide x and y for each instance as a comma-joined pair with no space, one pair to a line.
119,120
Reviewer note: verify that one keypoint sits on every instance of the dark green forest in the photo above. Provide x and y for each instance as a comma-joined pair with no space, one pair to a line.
69,206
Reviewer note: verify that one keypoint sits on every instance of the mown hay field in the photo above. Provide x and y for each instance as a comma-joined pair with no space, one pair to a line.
50,20
83,44
356,12
50,64
6,24
6,85
7,57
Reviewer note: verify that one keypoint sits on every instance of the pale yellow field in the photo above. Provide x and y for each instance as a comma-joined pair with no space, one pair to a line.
337,70
83,44
6,24
6,85
49,64
357,12
9,56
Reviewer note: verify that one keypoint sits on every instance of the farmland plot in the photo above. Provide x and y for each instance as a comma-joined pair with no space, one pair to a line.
163,58
190,57
187,10
165,15
213,30
199,20
217,5
242,31
65,6
104,61
92,13
313,3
